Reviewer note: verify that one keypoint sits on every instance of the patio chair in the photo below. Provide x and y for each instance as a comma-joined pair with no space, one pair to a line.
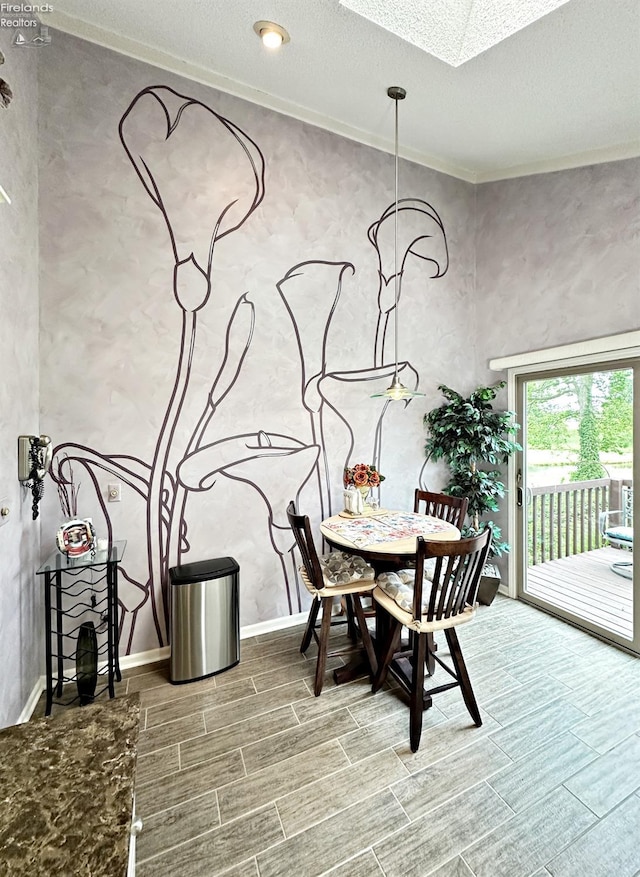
616,528
325,577
425,607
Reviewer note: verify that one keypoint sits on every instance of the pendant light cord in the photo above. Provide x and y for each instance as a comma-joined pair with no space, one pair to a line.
395,252
397,390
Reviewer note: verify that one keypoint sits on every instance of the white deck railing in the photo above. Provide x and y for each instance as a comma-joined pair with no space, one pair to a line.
563,518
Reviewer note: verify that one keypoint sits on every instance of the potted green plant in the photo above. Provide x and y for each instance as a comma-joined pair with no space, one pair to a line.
473,439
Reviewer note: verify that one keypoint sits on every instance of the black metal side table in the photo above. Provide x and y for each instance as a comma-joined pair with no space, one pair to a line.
77,590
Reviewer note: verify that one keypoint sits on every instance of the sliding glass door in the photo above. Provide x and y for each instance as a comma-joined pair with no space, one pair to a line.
575,497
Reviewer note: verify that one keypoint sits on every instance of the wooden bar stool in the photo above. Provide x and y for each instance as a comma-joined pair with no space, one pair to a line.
325,579
425,607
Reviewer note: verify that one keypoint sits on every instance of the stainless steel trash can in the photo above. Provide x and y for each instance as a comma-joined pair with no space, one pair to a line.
205,619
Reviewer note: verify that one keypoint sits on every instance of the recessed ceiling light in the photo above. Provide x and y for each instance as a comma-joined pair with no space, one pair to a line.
272,35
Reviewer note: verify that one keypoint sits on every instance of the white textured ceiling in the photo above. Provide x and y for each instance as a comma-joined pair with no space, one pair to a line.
561,92
453,30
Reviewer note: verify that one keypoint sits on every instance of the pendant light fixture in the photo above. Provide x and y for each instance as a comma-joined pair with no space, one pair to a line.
397,390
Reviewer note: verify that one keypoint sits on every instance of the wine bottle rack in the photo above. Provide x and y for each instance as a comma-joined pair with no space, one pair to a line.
78,591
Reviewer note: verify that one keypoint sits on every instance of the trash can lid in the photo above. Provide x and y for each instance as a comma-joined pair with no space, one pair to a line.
203,570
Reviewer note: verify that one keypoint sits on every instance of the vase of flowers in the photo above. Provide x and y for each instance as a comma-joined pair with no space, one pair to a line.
362,476
76,536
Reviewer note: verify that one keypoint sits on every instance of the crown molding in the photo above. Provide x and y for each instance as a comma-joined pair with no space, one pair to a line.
566,162
163,60
156,57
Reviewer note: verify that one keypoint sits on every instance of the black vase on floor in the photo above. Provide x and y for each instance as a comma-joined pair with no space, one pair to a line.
87,662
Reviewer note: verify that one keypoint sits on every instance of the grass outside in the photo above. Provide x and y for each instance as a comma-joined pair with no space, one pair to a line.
545,468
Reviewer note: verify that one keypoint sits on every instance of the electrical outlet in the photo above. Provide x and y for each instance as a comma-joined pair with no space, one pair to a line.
113,493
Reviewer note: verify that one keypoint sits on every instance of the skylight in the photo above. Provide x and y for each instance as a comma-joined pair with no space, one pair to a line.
453,30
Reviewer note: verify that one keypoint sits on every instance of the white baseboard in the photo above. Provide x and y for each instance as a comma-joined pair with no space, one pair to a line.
31,704
139,659
272,625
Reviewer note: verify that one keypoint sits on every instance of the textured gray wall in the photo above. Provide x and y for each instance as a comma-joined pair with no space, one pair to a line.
20,594
558,258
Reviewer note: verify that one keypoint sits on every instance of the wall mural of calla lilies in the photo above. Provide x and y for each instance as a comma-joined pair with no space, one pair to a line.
421,234
171,142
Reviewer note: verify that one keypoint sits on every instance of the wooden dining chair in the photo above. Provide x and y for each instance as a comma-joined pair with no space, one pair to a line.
325,577
425,607
440,505
452,509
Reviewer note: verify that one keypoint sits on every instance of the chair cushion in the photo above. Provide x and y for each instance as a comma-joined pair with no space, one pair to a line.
428,570
406,618
624,534
339,568
399,586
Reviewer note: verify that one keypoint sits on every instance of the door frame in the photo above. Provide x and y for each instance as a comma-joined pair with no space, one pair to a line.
587,354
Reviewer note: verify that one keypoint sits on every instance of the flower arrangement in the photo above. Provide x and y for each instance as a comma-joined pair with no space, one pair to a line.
362,475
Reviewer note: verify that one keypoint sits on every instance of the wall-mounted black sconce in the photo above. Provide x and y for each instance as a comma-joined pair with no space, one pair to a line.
34,459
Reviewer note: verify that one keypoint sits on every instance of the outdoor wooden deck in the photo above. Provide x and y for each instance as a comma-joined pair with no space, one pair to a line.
586,585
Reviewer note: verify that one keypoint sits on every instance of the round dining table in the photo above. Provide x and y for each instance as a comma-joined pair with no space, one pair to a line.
364,535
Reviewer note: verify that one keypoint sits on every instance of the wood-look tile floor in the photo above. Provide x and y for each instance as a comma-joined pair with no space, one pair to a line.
248,774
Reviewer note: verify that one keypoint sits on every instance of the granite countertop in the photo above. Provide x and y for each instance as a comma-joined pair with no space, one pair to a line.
66,791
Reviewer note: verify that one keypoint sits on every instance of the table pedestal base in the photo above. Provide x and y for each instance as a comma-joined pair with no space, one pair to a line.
358,666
